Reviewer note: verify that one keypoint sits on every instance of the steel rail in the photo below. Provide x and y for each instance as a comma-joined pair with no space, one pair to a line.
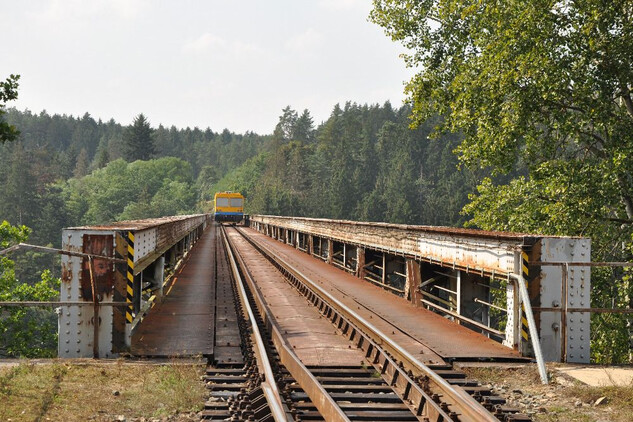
457,398
269,386
324,403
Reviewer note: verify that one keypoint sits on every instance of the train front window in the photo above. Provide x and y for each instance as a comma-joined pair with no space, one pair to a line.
237,202
222,202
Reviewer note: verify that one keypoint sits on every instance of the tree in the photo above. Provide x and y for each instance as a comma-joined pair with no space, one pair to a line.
81,168
285,127
303,129
8,92
138,140
545,85
28,332
19,202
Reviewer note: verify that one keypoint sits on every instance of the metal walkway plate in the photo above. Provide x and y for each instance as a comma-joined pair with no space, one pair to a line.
182,325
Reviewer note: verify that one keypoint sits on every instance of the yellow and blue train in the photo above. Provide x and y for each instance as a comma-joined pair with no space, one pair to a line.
228,206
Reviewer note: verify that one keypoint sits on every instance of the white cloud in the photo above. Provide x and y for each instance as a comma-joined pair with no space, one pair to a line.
205,42
338,5
306,42
210,43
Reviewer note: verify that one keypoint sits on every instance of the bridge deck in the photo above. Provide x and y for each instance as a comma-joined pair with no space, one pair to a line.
183,324
396,316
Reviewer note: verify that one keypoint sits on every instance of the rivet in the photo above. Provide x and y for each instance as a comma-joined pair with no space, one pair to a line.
78,340
67,331
571,355
67,341
582,347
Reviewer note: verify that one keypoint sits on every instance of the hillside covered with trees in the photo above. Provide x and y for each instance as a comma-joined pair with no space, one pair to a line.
362,163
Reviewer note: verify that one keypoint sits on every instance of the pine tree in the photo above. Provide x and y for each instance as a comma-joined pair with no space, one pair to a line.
303,129
81,168
102,157
138,141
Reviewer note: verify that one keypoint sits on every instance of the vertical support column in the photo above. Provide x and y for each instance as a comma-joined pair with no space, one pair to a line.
130,291
330,251
310,245
458,299
344,255
414,279
525,347
360,262
159,275
383,278
512,325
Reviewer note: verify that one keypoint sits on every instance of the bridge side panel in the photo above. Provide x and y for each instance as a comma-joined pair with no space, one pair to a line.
567,338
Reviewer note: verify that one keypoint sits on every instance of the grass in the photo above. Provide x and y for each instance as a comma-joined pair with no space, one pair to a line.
560,401
98,390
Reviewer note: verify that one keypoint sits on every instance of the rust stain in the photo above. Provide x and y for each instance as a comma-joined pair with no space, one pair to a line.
143,224
103,271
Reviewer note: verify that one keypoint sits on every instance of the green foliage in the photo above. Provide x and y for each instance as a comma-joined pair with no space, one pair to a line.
8,92
543,86
28,332
122,190
362,163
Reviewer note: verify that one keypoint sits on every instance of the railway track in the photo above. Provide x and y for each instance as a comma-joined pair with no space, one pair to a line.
234,377
259,375
410,389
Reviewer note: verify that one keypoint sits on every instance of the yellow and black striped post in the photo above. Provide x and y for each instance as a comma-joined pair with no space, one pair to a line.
525,272
120,293
129,311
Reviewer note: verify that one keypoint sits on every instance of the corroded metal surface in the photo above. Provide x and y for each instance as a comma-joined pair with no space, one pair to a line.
183,323
102,270
426,335
490,253
140,224
272,219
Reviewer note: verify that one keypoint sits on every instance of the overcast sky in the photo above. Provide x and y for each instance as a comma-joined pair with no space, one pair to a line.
212,63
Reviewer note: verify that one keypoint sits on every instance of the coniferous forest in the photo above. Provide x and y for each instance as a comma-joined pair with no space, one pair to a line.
362,163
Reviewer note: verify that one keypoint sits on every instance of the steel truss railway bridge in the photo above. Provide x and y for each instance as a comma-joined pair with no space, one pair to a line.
316,319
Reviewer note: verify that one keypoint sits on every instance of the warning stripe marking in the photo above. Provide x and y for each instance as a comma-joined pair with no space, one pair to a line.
526,272
129,311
